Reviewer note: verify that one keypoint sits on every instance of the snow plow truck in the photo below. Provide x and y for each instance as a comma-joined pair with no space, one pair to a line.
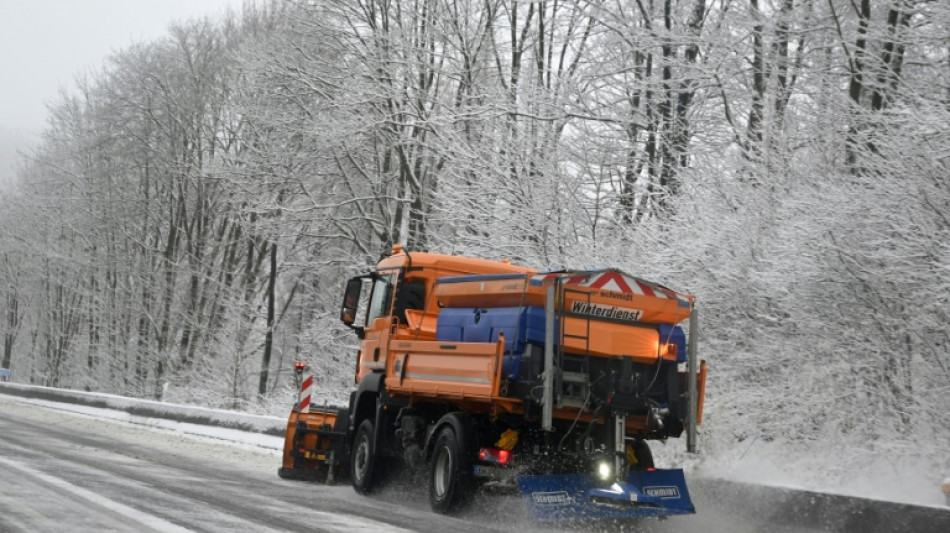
476,373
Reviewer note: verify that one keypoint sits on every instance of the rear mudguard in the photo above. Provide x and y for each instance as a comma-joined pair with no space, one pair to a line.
645,493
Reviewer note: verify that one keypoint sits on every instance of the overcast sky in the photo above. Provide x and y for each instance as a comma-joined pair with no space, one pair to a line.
44,44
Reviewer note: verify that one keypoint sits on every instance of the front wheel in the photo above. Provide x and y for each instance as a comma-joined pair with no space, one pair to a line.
363,459
450,482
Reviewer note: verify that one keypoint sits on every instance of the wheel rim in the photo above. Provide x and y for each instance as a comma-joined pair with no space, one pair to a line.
442,473
362,453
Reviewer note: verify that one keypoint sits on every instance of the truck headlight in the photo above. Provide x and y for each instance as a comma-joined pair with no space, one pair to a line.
604,470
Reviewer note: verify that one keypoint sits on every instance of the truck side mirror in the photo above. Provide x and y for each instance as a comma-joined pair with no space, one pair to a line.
351,301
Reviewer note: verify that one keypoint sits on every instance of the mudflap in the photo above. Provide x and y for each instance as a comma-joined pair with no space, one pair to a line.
645,493
315,446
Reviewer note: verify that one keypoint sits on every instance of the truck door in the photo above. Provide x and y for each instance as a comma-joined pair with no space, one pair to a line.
375,345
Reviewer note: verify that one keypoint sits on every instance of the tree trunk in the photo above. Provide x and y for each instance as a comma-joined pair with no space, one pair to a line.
269,336
10,335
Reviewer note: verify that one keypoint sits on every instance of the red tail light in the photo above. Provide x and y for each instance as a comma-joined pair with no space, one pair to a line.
494,455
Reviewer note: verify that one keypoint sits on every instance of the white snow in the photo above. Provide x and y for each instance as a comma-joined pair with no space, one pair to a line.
905,480
234,436
161,409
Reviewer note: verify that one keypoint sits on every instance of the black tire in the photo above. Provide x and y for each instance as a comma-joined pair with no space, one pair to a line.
644,456
363,459
450,479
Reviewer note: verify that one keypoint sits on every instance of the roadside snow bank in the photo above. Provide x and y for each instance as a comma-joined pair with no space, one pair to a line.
266,431
909,479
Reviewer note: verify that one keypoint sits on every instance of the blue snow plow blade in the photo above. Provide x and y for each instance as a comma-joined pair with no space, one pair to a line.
645,493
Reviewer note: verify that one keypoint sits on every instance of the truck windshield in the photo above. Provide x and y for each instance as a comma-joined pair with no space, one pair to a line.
382,298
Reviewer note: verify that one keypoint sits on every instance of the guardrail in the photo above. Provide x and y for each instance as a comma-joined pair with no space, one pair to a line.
267,425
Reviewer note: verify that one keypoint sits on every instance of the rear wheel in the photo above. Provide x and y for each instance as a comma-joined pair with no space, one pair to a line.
363,459
450,483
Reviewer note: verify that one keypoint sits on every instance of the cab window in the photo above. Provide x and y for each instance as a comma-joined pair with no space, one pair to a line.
382,298
410,295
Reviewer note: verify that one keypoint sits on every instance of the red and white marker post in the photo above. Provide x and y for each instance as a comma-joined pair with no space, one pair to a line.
305,385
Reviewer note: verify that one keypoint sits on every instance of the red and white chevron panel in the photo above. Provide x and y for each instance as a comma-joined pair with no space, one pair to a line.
612,280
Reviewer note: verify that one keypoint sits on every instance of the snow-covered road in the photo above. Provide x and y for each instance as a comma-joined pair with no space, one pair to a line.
81,472
60,470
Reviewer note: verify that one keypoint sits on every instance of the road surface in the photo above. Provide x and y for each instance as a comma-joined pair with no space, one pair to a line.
67,472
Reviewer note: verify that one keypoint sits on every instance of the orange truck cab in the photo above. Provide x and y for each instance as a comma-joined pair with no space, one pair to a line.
484,371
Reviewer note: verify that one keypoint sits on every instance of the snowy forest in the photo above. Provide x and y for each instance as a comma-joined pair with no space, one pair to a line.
185,227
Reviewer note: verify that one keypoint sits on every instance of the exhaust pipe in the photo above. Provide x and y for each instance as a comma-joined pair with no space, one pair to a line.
547,389
692,368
